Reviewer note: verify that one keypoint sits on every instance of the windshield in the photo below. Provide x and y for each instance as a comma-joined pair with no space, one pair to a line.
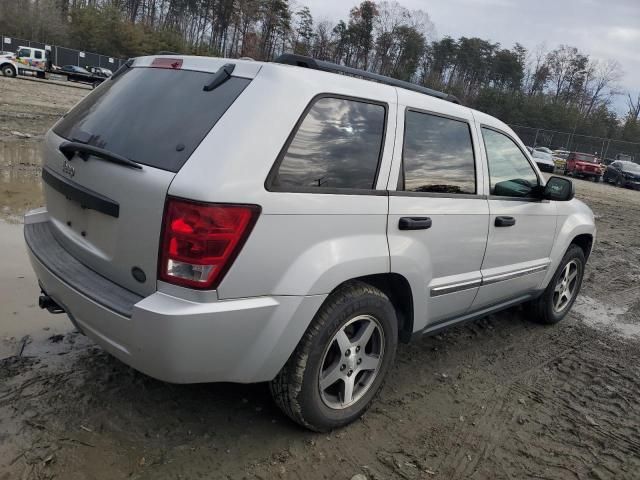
153,116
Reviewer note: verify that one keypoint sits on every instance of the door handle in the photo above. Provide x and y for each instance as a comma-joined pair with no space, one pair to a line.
505,222
414,223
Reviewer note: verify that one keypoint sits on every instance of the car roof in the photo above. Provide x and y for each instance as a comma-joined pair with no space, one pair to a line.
361,87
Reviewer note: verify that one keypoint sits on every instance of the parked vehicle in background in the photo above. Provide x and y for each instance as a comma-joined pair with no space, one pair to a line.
584,165
543,158
623,174
100,72
560,158
26,61
81,75
369,213
544,150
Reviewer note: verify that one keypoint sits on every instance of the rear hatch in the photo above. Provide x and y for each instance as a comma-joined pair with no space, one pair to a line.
588,163
109,162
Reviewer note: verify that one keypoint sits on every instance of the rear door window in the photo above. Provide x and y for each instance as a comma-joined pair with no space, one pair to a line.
337,145
153,116
437,155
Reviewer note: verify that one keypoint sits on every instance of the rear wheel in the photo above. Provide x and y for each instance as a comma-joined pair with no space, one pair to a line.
8,71
341,361
558,297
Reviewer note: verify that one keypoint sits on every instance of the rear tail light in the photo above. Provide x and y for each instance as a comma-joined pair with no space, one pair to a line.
200,241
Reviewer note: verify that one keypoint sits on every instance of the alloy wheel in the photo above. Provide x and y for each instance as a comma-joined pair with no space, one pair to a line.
566,286
351,362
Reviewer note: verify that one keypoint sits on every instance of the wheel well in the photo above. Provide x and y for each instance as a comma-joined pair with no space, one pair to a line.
7,64
584,241
397,288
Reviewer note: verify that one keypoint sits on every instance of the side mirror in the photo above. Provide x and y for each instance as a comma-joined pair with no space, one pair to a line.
559,189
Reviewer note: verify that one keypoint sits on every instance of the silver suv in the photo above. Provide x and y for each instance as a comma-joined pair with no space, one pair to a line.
210,220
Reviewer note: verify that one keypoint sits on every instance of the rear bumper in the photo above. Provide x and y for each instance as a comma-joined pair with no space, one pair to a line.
172,339
586,173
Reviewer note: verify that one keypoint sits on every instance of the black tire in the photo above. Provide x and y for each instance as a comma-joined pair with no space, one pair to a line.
8,71
541,310
296,389
619,182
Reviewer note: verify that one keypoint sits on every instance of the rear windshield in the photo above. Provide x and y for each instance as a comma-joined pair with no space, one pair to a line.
581,157
152,116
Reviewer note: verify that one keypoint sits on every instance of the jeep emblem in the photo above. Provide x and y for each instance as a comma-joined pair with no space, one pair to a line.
68,169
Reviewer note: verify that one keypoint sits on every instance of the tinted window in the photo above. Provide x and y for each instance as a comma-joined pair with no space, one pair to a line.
437,155
153,116
581,157
24,52
510,173
337,145
38,54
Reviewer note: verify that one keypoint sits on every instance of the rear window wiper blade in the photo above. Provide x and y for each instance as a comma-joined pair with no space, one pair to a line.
69,149
220,77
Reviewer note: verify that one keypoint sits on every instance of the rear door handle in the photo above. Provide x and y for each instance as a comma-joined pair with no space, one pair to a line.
414,223
505,222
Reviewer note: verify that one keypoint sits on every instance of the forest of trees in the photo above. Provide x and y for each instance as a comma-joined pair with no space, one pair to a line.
558,88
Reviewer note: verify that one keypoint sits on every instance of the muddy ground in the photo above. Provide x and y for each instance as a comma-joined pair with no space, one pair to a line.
500,398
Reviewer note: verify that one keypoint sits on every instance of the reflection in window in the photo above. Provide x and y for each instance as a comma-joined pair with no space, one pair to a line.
510,173
337,146
437,155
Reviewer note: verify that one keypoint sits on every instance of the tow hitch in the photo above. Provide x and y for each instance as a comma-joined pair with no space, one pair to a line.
45,301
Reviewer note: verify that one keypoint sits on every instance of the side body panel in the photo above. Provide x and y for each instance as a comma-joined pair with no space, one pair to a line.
517,257
442,263
574,218
303,243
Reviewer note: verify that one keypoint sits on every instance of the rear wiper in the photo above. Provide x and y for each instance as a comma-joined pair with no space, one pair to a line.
69,149
220,77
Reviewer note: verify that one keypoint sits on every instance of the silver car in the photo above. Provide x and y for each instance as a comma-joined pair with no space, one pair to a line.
215,220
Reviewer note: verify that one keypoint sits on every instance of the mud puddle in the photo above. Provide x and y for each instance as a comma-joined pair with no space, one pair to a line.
24,328
20,184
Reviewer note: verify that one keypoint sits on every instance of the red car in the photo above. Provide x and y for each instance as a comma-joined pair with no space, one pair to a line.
584,165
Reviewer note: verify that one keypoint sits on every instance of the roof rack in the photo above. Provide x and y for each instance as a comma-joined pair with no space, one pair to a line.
308,62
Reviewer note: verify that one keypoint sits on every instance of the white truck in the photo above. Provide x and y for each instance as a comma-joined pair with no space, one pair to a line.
26,61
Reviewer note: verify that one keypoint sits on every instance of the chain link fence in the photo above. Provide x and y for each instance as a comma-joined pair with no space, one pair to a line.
61,55
604,148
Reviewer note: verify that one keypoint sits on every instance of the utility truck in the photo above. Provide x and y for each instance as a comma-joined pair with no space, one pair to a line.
26,61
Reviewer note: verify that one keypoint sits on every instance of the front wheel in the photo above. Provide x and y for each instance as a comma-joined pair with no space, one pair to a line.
557,299
341,362
8,71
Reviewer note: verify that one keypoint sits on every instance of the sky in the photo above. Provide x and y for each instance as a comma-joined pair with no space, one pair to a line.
603,29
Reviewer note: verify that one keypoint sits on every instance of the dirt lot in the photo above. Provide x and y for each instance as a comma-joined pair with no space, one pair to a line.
499,398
